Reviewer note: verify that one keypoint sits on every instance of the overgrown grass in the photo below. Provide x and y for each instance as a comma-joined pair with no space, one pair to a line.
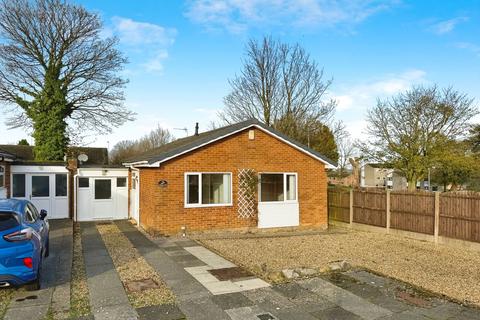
5,298
79,295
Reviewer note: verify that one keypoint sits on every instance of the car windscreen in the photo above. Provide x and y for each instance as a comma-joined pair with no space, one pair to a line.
8,220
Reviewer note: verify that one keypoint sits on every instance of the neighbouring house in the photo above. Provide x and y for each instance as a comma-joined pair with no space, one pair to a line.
377,175
84,183
245,175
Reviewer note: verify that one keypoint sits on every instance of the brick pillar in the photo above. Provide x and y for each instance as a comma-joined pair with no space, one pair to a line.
72,166
6,165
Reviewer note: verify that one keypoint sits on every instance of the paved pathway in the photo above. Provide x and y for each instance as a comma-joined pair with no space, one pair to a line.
108,299
55,279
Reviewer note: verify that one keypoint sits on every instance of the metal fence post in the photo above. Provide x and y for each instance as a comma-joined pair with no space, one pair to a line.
437,216
388,210
351,208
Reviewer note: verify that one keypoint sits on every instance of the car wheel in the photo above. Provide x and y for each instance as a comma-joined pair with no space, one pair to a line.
35,284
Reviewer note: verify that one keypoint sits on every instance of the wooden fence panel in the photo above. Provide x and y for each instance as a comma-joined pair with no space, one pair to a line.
460,216
369,207
412,211
339,205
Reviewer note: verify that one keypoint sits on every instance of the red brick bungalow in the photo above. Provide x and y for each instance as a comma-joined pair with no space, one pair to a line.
246,175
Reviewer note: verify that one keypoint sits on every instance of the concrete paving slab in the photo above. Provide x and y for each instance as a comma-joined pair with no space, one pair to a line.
202,309
221,287
161,312
336,313
268,299
180,252
249,313
232,301
115,312
27,312
210,258
345,299
251,284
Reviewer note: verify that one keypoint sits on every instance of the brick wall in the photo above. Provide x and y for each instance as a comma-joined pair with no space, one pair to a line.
162,209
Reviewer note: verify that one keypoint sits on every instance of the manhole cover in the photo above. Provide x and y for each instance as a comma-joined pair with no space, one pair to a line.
141,285
412,299
266,316
230,273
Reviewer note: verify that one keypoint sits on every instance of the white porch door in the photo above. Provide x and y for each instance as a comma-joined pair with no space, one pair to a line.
103,202
135,197
278,205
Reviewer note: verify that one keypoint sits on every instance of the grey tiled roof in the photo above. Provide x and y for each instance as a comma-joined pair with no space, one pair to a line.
180,146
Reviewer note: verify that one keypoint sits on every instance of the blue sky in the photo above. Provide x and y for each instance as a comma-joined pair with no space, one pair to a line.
183,53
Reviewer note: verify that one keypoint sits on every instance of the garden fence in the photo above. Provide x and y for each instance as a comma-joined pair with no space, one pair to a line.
450,215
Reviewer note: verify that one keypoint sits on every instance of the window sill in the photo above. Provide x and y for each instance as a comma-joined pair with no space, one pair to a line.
208,205
279,202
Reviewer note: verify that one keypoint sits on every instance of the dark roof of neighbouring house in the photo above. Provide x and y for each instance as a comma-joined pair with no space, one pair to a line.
190,143
6,155
96,156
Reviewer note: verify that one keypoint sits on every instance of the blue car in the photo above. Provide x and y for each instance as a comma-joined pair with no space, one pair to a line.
23,243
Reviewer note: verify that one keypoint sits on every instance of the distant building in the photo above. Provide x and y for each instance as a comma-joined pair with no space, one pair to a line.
377,175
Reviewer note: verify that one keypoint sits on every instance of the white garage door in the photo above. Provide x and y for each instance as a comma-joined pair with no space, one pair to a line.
102,197
45,186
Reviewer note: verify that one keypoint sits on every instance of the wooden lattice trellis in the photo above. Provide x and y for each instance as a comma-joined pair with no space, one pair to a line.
247,189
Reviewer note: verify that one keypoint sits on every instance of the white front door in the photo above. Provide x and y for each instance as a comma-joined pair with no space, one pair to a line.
103,202
135,197
278,200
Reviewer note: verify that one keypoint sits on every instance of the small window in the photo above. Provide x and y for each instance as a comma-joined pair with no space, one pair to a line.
278,187
40,186
61,185
193,189
2,177
291,187
121,182
103,189
18,185
83,182
208,189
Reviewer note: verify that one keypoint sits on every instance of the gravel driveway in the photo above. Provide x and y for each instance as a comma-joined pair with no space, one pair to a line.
444,270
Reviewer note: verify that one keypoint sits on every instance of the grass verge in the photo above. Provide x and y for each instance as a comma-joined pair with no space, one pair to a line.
79,295
132,267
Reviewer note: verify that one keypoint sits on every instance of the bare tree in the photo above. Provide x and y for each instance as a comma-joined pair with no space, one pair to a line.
410,131
57,71
278,82
128,148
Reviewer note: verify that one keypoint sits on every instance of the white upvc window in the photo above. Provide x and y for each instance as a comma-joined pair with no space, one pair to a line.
278,187
208,189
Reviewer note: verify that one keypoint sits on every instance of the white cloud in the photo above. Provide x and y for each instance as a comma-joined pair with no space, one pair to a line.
354,100
446,26
364,94
239,15
144,41
469,46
